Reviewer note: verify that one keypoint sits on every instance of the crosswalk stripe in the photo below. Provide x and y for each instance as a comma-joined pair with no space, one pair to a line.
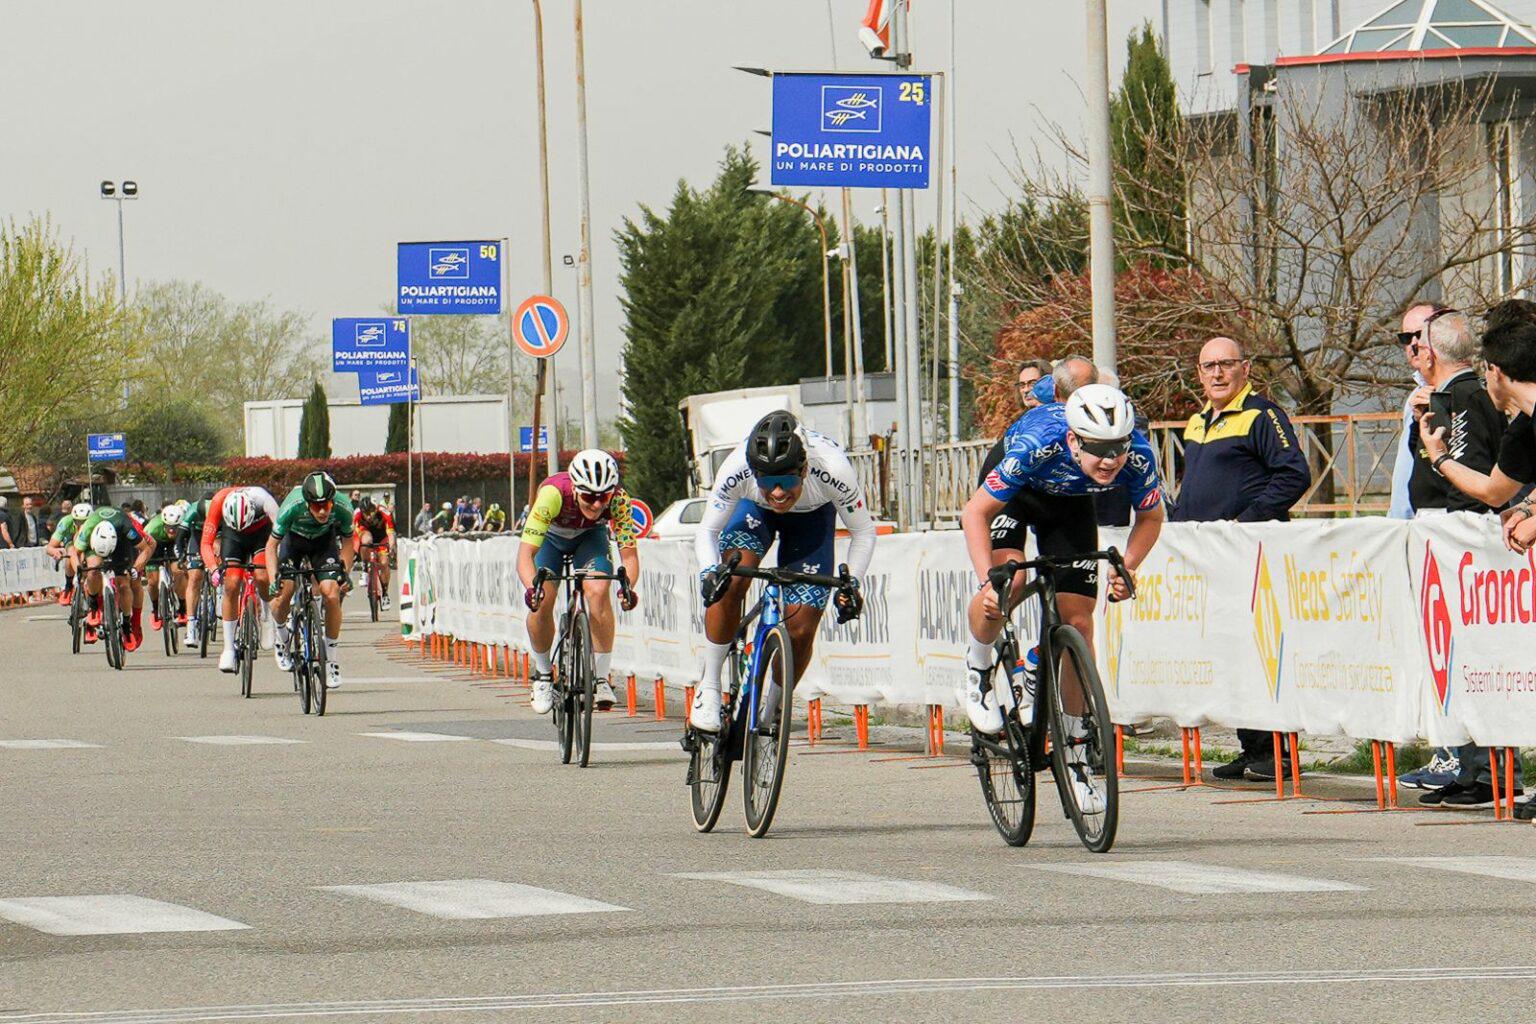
417,737
1201,879
596,745
467,899
839,887
115,914
48,745
1515,869
236,741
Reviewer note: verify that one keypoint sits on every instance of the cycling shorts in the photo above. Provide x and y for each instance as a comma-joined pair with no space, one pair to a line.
805,543
587,550
1064,525
321,554
236,547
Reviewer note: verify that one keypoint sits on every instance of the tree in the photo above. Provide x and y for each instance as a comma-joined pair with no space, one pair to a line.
169,432
398,438
61,347
468,355
1143,120
315,426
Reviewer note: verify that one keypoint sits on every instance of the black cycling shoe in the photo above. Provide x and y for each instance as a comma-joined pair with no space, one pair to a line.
1436,797
1233,769
1263,768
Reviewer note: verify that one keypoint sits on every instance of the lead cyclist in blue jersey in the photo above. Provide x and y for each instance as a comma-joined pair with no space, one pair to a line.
1056,457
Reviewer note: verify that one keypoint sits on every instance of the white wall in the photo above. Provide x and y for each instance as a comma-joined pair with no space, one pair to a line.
467,423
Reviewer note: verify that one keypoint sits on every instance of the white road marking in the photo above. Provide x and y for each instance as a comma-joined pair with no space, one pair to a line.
1201,879
47,618
236,741
354,680
596,745
417,737
116,914
1515,869
48,745
468,899
1518,975
837,887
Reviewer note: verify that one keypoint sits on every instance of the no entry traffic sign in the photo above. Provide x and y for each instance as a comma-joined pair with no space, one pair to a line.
541,326
641,513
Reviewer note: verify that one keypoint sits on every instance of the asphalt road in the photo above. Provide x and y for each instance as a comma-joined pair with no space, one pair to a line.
177,853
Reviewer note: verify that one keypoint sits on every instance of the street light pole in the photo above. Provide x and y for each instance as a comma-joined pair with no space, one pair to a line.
118,193
1101,225
826,285
542,379
583,173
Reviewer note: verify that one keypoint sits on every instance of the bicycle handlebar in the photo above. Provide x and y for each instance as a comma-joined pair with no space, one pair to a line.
543,576
1000,575
787,577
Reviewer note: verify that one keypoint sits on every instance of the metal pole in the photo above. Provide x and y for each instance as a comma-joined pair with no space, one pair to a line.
506,289
410,417
938,262
858,324
541,380
843,251
898,300
952,98
122,266
584,261
885,274
1101,225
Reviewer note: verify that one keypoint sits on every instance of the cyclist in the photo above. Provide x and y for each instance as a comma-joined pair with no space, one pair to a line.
571,516
61,546
373,537
116,545
495,518
189,551
309,530
1056,458
793,483
235,531
162,529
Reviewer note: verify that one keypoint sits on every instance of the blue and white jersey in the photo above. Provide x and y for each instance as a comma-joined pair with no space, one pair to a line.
1035,456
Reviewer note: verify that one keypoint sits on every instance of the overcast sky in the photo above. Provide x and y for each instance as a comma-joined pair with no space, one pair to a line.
283,148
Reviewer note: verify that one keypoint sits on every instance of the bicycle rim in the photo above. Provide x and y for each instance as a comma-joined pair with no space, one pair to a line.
585,691
250,647
1082,744
111,627
709,767
77,614
765,750
320,663
298,650
204,619
1007,780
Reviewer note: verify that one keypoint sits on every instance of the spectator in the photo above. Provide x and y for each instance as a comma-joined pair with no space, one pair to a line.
479,514
1402,464
1243,463
1070,374
443,521
56,519
1510,351
5,524
29,526
1113,508
495,518
464,515
423,523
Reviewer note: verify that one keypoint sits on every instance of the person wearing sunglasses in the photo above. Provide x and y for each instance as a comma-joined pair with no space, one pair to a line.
1057,457
792,485
572,515
314,528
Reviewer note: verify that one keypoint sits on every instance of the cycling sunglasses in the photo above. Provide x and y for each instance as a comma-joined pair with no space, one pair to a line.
1105,449
594,498
783,481
319,506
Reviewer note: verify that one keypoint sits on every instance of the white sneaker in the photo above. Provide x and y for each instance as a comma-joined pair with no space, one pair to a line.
606,698
280,655
332,676
227,660
191,637
704,715
543,692
384,604
1090,797
986,717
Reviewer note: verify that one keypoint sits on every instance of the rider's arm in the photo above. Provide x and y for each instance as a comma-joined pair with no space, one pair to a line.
976,520
1144,531
146,550
211,520
546,507
854,513
731,483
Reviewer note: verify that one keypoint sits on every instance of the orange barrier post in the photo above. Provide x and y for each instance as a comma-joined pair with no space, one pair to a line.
1199,757
1120,750
661,699
687,705
861,724
1498,790
1509,781
1392,775
935,730
1184,758
1295,766
1381,795
813,721
629,695
1279,767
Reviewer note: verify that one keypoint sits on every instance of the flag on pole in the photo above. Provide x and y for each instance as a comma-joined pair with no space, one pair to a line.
875,30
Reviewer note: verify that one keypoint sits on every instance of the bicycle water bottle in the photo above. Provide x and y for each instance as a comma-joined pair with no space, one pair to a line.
1023,677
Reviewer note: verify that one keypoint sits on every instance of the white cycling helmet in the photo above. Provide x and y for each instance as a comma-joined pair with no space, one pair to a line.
594,471
1101,415
104,539
171,515
239,511
82,511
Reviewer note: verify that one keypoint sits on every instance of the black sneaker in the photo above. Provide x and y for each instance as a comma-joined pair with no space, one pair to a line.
1233,769
1435,797
1263,768
1526,811
1469,798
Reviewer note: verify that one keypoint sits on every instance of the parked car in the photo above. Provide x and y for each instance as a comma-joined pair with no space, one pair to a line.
679,519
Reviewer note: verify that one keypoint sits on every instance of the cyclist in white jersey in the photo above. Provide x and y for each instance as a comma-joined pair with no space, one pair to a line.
794,484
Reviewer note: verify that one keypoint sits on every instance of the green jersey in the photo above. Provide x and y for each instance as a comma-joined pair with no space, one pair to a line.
293,516
158,529
128,531
66,530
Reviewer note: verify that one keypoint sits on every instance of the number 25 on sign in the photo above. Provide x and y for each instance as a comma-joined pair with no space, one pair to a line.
912,92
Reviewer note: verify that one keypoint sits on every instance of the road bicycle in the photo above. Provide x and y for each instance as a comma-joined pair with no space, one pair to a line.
247,640
1069,706
168,603
79,606
306,641
756,719
575,684
375,579
110,631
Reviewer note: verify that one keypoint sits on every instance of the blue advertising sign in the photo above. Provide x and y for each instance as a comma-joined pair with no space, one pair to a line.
525,438
106,447
387,387
856,131
370,343
448,277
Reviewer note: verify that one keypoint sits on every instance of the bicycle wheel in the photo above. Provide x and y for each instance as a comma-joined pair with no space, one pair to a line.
77,613
249,643
1082,741
709,764
584,686
765,749
373,590
167,613
111,627
320,664
205,617
1007,780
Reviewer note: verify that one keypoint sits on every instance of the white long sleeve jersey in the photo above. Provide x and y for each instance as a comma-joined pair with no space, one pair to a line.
829,479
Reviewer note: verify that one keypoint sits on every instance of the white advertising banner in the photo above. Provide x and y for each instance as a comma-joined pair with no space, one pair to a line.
23,570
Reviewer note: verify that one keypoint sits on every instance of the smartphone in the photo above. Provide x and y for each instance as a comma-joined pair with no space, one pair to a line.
1440,411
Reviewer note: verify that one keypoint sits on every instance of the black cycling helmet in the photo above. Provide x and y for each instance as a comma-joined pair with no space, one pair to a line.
775,445
318,487
365,504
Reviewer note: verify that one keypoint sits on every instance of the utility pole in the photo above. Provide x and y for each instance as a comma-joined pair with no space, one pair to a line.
545,370
1101,225
862,427
583,172
952,99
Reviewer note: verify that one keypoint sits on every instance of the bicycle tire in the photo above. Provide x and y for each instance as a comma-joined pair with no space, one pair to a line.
111,626
1084,750
765,756
709,767
250,645
320,665
167,613
205,617
1007,780
586,692
77,613
373,591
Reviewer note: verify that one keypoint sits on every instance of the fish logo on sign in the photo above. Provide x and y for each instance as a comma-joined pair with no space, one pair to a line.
1268,631
851,108
1437,629
369,334
388,377
103,441
448,264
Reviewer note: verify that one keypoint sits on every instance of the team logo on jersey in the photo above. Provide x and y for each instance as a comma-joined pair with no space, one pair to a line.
1153,499
752,521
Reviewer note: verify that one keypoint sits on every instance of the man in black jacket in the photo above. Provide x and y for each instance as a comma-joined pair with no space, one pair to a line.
1243,462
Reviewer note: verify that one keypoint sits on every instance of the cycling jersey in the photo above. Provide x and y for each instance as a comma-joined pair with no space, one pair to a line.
377,523
1036,457
213,521
129,535
556,513
295,518
162,533
65,532
829,480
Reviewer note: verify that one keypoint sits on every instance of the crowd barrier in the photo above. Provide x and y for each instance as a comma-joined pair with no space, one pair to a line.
25,571
1370,628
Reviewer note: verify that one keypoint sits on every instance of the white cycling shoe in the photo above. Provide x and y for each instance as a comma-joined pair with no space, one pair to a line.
332,676
384,604
227,661
981,707
704,715
280,655
606,698
1085,785
543,693
190,640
